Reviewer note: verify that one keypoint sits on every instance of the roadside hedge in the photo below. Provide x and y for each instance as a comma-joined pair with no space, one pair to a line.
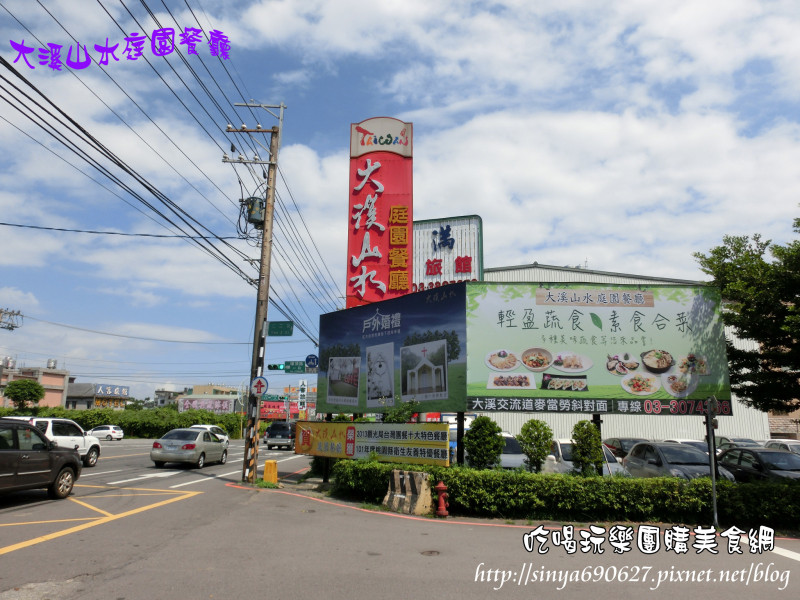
556,497
148,423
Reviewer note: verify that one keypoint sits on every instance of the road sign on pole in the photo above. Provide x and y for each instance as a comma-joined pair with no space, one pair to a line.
280,328
294,366
258,386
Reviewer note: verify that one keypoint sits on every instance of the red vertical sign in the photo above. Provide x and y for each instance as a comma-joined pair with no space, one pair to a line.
380,244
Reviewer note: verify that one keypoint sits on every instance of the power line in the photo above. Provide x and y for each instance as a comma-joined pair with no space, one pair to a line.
136,337
97,146
90,89
148,235
203,242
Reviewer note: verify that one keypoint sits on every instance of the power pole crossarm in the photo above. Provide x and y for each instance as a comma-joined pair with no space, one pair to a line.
10,319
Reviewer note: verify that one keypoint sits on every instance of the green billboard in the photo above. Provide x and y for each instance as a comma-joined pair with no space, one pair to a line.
595,348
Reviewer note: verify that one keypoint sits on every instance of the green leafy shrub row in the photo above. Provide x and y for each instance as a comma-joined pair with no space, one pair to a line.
555,497
150,423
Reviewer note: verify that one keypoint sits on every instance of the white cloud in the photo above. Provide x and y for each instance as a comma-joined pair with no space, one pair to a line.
628,193
15,299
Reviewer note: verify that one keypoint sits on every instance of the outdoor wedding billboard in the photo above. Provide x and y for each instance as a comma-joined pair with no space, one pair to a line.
410,348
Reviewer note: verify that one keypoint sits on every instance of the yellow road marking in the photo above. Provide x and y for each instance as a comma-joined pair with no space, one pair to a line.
102,512
99,521
136,489
47,522
104,496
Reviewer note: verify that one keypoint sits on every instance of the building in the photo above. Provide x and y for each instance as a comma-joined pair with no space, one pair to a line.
745,421
785,425
165,397
84,396
211,389
53,380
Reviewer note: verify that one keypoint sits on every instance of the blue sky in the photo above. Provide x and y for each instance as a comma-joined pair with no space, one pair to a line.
620,136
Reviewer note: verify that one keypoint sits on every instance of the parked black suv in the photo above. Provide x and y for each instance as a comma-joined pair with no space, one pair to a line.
28,460
280,433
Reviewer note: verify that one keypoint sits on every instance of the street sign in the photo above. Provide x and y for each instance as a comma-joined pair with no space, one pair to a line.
280,327
258,386
294,366
270,397
312,361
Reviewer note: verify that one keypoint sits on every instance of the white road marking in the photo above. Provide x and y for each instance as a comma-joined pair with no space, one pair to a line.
205,479
164,474
213,477
84,474
787,553
291,457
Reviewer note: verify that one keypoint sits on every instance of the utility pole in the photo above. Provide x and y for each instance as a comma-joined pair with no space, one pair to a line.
250,463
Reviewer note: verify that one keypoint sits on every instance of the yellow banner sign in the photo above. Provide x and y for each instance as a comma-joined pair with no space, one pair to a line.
415,443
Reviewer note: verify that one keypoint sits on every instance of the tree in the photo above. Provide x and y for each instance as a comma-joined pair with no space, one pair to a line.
483,443
760,303
587,449
402,413
24,391
535,439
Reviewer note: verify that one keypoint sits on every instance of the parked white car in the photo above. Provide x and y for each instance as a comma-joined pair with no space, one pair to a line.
789,445
512,456
560,459
107,432
67,434
698,444
217,431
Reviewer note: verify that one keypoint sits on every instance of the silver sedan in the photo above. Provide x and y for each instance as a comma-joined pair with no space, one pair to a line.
193,446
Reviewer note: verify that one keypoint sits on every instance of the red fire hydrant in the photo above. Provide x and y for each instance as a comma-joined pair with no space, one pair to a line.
441,490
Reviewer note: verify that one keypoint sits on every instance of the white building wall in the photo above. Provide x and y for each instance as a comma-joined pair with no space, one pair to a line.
745,421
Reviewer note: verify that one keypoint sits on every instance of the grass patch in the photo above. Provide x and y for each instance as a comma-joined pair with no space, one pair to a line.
260,483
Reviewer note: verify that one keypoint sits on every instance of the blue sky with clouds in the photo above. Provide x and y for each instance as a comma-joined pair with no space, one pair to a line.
621,136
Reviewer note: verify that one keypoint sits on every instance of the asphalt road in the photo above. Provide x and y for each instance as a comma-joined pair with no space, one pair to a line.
131,532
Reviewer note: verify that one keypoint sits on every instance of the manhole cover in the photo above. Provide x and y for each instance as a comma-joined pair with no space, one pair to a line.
430,553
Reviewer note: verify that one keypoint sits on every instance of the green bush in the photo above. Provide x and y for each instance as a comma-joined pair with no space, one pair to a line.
557,497
402,413
483,443
535,439
587,449
151,423
363,480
